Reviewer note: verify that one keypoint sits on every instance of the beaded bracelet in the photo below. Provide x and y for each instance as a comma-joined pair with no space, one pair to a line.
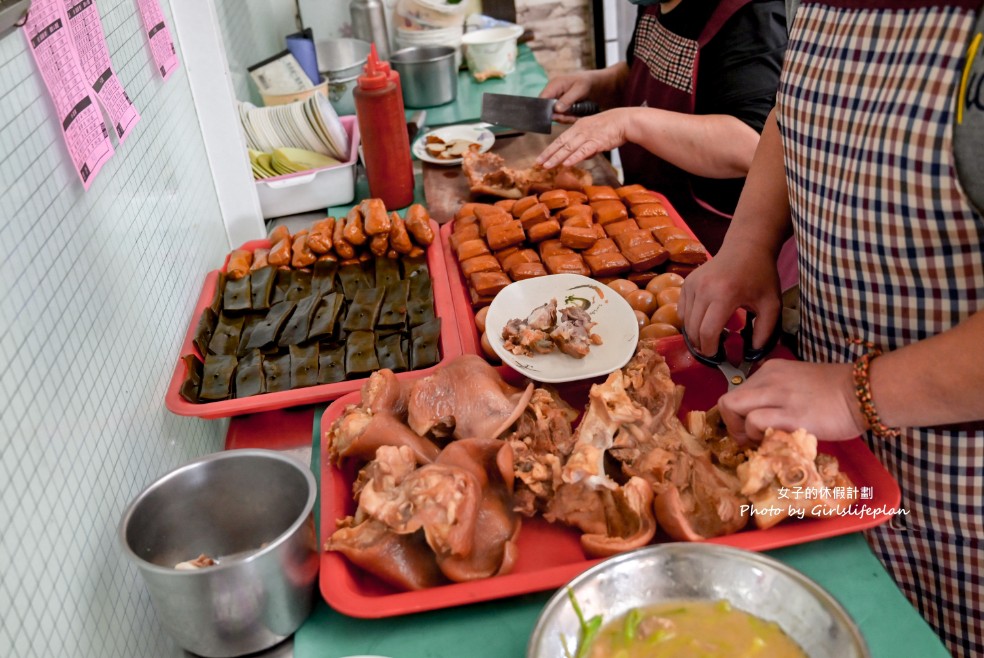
862,389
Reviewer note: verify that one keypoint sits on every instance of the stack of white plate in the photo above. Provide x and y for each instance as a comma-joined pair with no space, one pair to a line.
430,23
311,124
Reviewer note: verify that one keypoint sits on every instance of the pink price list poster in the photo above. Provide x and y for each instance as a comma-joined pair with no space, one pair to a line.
161,43
78,111
90,44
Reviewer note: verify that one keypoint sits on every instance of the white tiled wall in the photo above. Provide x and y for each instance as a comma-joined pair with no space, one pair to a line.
96,289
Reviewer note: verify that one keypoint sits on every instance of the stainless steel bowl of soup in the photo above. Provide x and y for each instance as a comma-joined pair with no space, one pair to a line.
684,599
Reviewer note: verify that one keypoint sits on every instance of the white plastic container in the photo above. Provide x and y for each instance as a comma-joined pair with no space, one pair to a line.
316,189
492,50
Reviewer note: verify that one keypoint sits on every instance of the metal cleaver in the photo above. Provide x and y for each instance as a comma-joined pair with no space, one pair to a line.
526,113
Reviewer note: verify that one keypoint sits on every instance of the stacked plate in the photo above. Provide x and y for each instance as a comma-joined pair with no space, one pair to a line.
287,160
311,125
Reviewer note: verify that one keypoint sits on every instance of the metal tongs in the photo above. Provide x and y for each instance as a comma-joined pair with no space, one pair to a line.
736,375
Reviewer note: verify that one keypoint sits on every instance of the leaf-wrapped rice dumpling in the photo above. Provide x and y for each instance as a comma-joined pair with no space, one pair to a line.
353,279
360,354
391,352
261,287
192,382
300,285
363,310
296,329
249,375
323,278
266,333
276,372
387,272
237,295
303,366
324,323
225,338
217,377
281,286
203,332
424,342
331,364
393,312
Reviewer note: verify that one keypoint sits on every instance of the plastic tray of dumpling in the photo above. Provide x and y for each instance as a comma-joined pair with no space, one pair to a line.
465,311
550,554
449,346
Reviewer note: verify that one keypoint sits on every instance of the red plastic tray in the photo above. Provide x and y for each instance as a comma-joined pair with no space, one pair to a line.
465,314
551,555
450,347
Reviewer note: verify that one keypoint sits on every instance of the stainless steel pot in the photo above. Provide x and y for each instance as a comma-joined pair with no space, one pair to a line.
751,582
341,62
251,510
428,75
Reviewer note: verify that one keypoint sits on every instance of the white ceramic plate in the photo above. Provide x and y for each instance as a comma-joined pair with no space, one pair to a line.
616,324
471,132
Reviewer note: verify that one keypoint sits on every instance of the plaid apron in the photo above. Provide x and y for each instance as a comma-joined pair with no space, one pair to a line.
890,251
664,75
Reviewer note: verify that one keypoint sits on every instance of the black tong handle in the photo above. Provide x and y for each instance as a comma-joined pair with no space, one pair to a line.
749,354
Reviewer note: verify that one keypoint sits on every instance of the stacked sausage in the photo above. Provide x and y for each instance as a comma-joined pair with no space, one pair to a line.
600,232
367,230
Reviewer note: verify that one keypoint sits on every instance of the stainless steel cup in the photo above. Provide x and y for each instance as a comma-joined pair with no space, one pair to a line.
251,510
428,75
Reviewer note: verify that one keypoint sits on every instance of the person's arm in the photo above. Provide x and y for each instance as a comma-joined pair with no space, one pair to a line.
713,146
603,86
743,272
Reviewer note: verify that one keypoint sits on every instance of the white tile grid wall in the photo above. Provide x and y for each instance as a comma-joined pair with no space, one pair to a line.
97,289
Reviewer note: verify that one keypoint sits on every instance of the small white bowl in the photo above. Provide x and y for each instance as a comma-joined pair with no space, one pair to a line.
493,49
616,324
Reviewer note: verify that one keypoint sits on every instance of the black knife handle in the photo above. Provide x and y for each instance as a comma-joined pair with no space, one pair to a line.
583,109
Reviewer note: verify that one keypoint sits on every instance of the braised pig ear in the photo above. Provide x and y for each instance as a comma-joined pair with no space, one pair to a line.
192,382
324,322
303,366
249,375
496,530
629,521
207,322
217,377
424,341
331,365
391,352
403,561
360,354
261,287
225,338
359,433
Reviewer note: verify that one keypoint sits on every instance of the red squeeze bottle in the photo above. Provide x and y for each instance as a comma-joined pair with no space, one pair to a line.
385,142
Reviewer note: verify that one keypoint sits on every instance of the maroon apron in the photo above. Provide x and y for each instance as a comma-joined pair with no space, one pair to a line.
664,76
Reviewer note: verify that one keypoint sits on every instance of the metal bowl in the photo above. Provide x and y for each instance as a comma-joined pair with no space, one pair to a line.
749,581
428,74
252,511
341,59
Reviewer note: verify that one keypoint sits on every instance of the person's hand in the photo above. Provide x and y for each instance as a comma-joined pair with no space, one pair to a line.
587,137
788,395
567,89
716,289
